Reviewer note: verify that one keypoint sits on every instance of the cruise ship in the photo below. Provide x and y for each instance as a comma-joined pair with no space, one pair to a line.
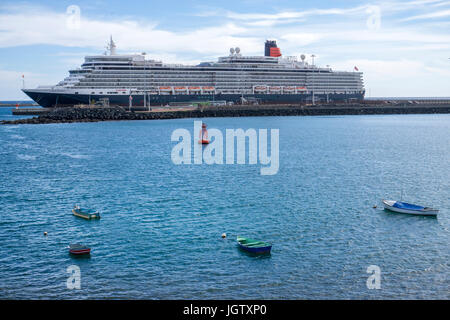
133,80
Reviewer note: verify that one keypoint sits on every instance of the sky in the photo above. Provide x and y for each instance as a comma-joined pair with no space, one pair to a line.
402,47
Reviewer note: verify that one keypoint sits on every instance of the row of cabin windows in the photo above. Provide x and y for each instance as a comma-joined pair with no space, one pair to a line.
76,92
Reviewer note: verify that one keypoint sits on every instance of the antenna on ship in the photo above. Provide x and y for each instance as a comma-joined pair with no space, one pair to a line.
303,57
111,47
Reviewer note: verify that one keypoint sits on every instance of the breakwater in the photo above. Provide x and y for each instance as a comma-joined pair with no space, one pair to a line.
67,115
30,111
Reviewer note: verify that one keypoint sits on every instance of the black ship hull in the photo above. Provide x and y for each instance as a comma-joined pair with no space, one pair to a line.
52,100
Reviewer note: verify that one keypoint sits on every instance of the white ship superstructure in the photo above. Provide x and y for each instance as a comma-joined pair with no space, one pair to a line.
125,79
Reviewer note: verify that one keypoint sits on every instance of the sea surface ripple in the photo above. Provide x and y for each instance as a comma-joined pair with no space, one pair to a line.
160,232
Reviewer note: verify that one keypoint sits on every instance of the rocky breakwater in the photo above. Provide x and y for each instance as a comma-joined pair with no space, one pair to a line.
67,115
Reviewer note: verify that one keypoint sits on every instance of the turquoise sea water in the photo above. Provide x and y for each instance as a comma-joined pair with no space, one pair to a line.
160,232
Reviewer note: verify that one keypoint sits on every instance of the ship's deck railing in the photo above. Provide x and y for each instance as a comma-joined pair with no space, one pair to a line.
213,68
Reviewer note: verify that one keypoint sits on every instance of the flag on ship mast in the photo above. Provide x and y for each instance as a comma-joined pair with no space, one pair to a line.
356,68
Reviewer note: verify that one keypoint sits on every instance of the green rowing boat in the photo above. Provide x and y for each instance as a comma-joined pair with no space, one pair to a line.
253,246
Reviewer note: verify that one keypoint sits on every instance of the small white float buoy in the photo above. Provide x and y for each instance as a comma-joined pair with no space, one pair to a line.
375,206
45,233
224,235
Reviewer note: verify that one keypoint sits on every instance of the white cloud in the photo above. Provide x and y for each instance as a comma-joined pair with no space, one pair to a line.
292,14
284,17
29,26
289,16
406,55
432,15
302,38
441,4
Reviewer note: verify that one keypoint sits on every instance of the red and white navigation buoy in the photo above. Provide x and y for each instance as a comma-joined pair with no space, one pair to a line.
203,135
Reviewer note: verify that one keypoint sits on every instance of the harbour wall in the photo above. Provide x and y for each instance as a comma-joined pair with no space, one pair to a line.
91,114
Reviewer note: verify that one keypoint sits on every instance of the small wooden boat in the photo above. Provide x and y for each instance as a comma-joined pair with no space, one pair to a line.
403,207
79,249
254,246
86,214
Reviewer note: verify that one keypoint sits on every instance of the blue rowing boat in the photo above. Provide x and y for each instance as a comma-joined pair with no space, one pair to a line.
253,246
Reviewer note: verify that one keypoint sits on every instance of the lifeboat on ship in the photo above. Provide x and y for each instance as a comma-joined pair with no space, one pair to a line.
275,89
260,89
165,90
195,89
288,89
180,89
301,89
208,89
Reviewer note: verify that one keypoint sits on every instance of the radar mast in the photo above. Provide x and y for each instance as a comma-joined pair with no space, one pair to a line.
111,47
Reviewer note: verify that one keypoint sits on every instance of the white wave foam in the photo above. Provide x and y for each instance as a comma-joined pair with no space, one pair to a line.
75,156
20,145
17,136
26,157
9,128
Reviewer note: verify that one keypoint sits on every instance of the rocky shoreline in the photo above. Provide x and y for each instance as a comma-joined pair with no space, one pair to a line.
68,115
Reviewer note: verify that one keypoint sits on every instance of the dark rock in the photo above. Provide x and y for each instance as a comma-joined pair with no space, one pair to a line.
69,115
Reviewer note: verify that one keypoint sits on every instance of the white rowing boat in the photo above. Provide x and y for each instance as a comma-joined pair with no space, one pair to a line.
403,207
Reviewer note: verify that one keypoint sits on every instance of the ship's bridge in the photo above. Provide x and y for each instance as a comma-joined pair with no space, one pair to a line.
91,62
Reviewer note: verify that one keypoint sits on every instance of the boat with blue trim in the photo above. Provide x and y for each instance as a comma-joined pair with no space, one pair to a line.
404,207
